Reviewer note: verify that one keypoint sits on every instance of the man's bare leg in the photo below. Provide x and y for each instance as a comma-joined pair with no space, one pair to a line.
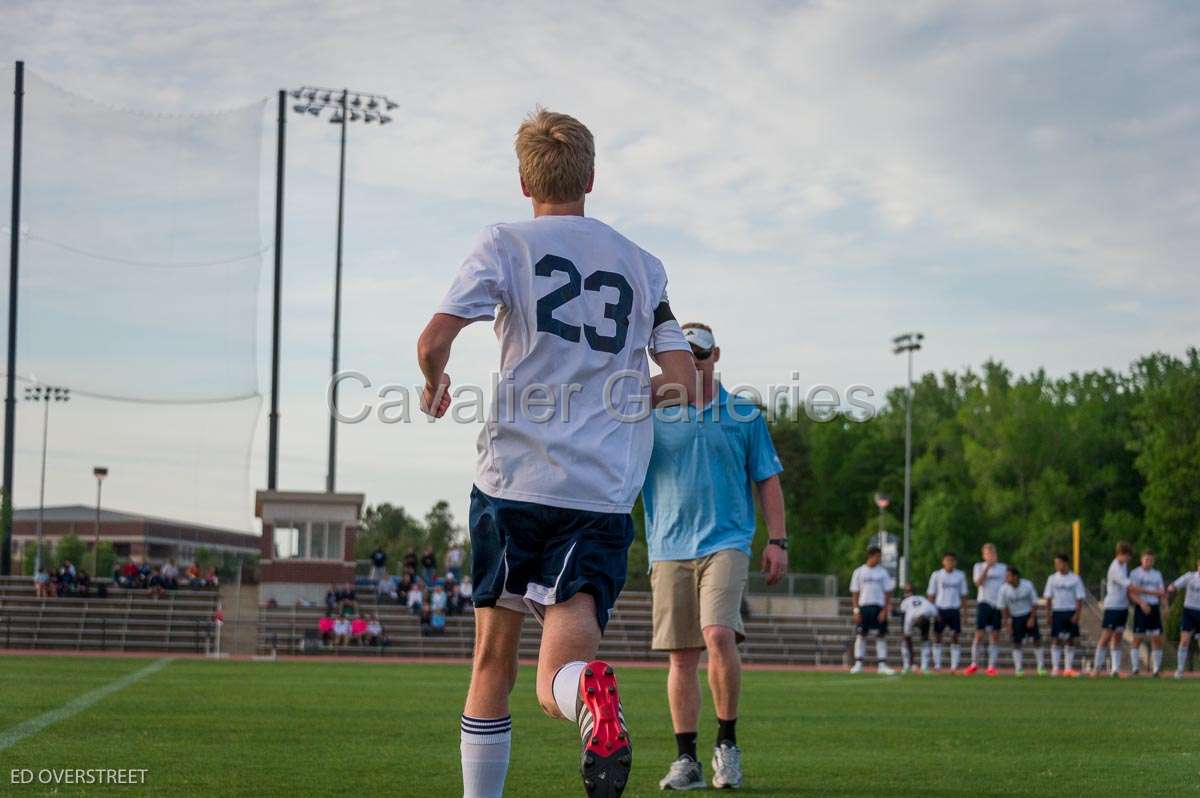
683,689
486,737
724,671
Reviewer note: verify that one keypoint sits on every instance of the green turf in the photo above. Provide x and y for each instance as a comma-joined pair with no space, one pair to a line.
341,728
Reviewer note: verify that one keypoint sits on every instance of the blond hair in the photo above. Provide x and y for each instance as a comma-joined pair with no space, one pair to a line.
699,325
556,156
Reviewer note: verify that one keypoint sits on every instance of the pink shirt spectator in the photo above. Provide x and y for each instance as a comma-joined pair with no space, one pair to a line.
325,625
358,627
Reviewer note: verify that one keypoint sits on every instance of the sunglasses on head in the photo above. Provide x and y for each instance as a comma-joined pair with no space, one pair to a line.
701,354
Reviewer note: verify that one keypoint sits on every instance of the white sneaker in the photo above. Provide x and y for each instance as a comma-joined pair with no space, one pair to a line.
1178,674
727,767
857,668
685,774
884,670
906,669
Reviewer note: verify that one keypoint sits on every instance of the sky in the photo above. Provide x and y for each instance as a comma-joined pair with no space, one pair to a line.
1017,181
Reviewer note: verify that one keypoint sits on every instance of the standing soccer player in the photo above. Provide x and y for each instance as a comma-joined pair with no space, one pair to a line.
1018,599
871,589
1189,624
948,592
1152,589
1065,592
989,578
918,617
1116,610
558,472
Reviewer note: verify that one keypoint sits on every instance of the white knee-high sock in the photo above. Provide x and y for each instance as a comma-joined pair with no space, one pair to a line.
955,656
1018,657
975,652
1156,658
937,656
484,750
1135,658
1098,664
1070,657
860,648
925,656
1056,656
993,654
1116,659
905,654
881,650
566,688
1040,653
1182,661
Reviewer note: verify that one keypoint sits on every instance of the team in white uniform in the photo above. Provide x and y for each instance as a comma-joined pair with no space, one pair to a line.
871,589
1065,595
989,578
948,592
1148,623
919,615
1189,624
1018,600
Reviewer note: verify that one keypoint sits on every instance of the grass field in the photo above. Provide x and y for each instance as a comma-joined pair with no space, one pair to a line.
348,728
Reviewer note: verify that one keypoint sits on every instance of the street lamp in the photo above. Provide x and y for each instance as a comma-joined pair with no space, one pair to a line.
346,106
882,500
907,342
47,395
99,472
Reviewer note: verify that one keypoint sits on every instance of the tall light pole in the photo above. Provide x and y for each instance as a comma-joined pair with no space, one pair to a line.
365,108
882,500
907,342
14,257
99,472
47,395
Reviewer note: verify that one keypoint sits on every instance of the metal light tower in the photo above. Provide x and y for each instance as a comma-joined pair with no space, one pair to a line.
47,395
907,342
99,472
882,500
365,108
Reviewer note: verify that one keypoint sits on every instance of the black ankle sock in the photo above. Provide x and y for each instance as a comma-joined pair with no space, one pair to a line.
726,732
686,742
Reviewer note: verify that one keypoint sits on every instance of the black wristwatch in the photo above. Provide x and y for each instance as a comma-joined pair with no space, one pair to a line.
780,542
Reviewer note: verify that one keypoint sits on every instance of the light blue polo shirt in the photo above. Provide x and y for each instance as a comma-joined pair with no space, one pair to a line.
698,495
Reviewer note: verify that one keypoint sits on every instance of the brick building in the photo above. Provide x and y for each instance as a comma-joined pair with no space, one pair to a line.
307,543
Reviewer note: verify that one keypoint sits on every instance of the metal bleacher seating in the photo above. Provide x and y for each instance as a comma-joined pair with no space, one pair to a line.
126,620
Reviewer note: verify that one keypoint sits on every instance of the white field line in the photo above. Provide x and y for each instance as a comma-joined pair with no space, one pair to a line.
16,734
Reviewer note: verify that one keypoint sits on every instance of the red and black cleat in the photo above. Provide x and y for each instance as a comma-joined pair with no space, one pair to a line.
607,752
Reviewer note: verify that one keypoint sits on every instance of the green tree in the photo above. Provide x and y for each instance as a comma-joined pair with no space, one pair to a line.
69,547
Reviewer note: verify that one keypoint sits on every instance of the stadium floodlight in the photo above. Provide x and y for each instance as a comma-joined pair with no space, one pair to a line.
296,94
99,472
907,343
340,102
47,395
300,109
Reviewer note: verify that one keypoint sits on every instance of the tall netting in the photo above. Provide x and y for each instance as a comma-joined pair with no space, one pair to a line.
140,262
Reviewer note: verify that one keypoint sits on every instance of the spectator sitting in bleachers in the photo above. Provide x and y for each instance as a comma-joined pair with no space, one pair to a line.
213,580
410,561
325,628
347,598
156,584
129,574
429,565
465,588
144,574
331,599
192,574
454,561
437,600
170,575
455,603
375,632
389,586
341,631
83,584
358,629
416,598
41,584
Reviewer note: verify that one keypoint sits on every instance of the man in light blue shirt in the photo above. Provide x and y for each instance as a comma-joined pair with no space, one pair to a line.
698,496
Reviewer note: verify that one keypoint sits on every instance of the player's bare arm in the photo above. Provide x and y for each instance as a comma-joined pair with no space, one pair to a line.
677,382
433,353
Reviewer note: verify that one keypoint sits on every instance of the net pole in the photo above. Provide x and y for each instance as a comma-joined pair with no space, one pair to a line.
273,434
14,253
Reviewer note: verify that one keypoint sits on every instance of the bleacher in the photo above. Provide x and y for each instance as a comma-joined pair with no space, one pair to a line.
126,620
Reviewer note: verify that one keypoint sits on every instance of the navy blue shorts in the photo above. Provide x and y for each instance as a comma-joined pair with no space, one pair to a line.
872,618
526,556
1061,626
1147,622
988,617
1022,631
948,619
1190,622
1115,619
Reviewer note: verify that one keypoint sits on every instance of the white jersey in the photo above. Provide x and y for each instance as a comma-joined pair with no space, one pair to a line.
1116,591
1019,600
947,588
1191,583
1144,579
1064,590
916,606
989,591
871,585
579,305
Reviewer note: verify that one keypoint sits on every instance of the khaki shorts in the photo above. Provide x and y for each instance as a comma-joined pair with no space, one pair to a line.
692,594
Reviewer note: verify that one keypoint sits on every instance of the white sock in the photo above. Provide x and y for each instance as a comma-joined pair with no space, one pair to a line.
955,656
1182,661
905,655
1070,658
1018,657
925,656
1040,653
975,652
1156,658
484,750
993,653
1116,660
566,688
860,648
1101,652
1135,658
881,651
937,656
1056,657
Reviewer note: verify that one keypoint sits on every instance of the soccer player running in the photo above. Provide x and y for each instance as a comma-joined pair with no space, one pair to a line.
549,520
948,591
1189,624
1152,589
989,578
918,616
871,589
1065,592
708,458
1116,610
1018,599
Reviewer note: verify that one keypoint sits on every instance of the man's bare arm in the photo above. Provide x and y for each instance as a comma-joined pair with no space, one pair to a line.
770,496
433,353
677,383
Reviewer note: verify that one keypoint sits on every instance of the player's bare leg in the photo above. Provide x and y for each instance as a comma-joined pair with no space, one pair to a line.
486,737
572,685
